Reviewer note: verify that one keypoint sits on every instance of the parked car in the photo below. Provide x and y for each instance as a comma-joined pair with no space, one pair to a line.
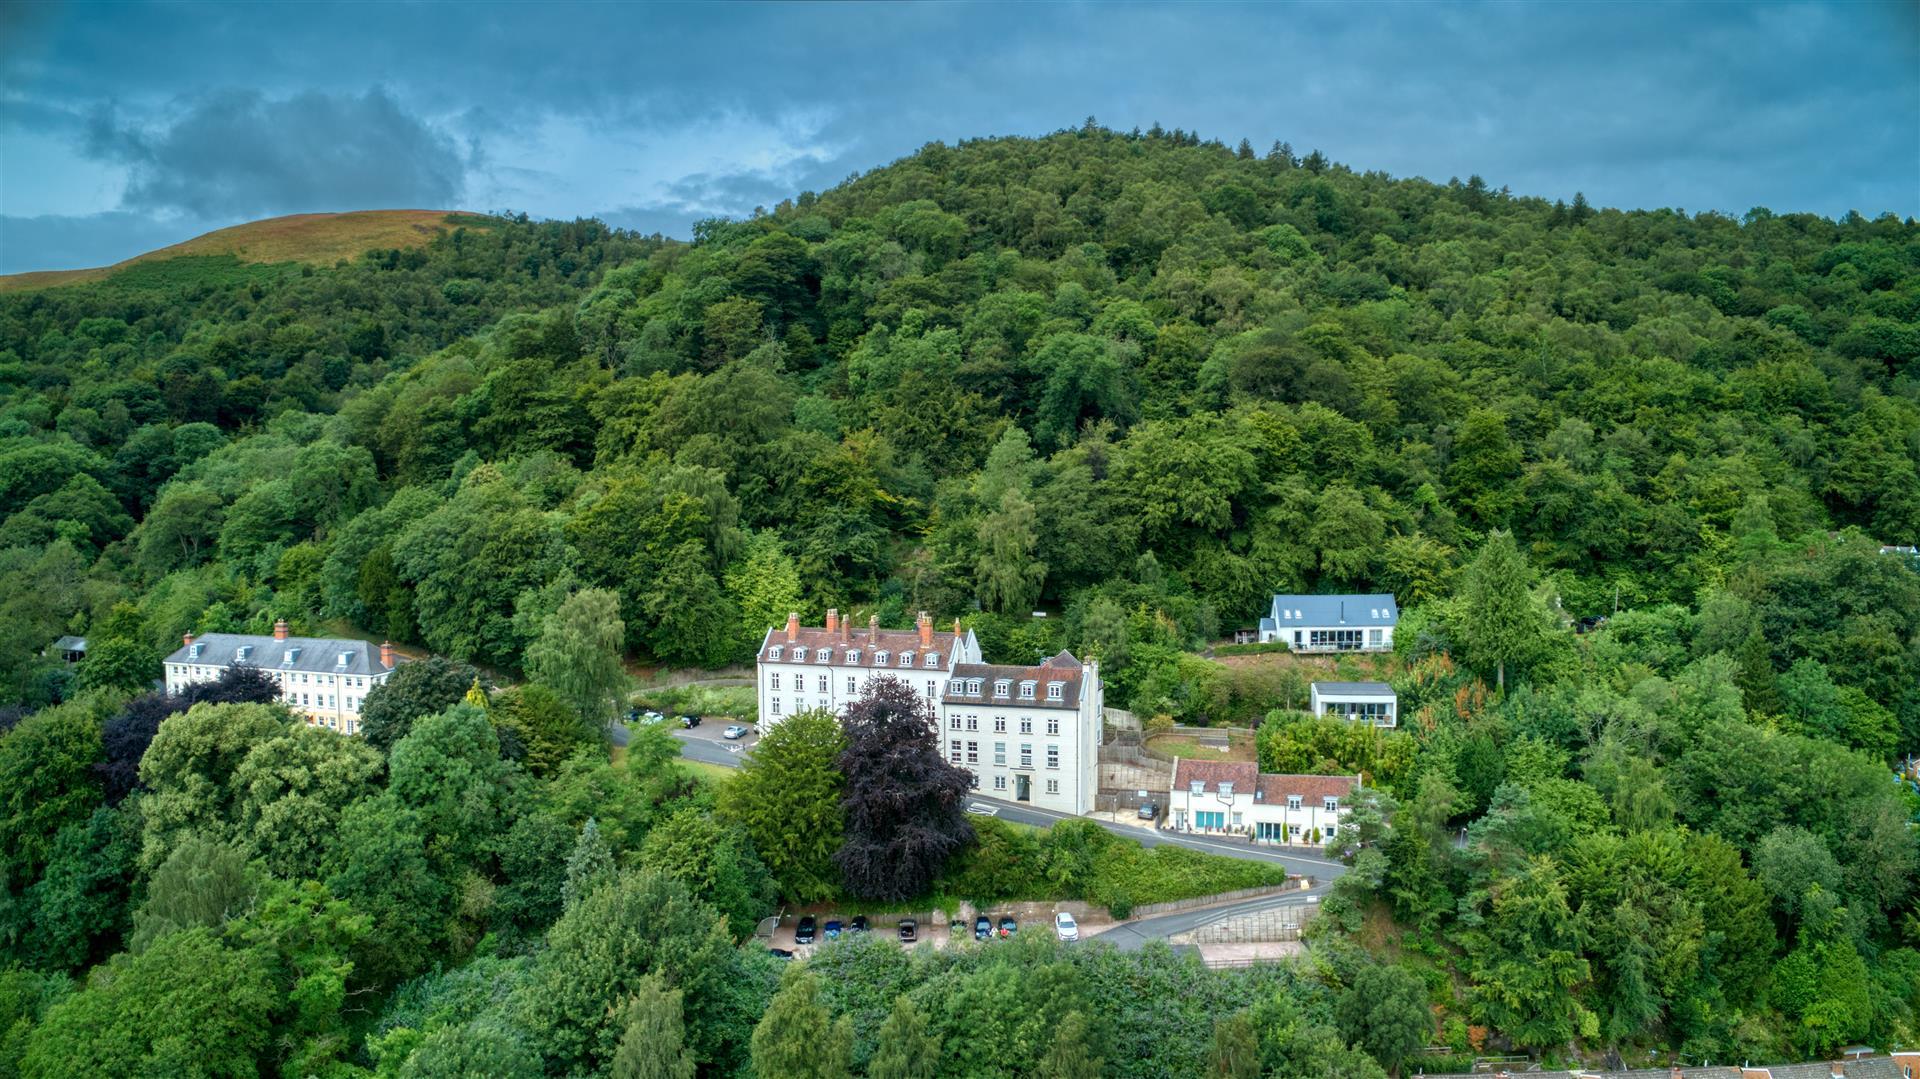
633,715
833,929
735,731
909,930
1065,927
689,722
982,927
653,715
780,953
803,932
1008,926
858,925
1148,811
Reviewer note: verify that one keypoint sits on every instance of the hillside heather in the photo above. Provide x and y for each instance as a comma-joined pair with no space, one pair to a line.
1139,381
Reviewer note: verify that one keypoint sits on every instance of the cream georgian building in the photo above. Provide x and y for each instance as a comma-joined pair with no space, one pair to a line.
1027,734
1236,798
324,680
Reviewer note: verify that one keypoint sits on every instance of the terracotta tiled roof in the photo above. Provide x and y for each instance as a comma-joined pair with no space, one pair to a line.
1311,789
1242,774
1062,668
867,643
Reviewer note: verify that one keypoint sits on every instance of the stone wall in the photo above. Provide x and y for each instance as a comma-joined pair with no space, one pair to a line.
1279,923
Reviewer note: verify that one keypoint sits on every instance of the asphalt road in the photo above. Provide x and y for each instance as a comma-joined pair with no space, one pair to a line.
695,745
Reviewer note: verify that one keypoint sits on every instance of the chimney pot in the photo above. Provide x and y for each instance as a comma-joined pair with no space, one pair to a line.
280,629
386,654
833,619
793,625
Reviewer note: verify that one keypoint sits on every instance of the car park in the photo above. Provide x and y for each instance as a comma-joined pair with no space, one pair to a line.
1065,927
833,929
803,932
982,927
909,930
858,925
1008,926
735,731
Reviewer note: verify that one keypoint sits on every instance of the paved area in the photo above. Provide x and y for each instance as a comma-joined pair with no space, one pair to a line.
1233,955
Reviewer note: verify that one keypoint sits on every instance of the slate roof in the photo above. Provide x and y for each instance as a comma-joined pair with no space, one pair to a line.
1355,688
1319,612
317,655
1062,668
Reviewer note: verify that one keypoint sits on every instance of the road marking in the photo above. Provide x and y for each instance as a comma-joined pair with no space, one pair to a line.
981,809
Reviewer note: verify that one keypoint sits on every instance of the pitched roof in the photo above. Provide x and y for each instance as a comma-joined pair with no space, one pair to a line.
867,643
319,655
1062,668
1378,688
1246,778
1371,609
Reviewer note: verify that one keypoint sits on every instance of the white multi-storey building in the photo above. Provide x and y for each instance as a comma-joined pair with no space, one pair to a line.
1236,798
1029,734
323,679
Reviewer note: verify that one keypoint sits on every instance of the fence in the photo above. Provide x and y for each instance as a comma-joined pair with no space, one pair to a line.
1120,719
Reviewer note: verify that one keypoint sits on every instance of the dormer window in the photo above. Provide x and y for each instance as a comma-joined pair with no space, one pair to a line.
823,655
1056,691
956,686
292,655
1331,805
1026,691
1001,685
933,659
880,657
800,654
241,654
1198,786
1373,612
193,651
1226,788
906,659
1293,801
345,658
973,687
853,655
774,652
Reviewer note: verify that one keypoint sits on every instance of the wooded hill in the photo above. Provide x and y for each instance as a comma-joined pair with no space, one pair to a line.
1142,381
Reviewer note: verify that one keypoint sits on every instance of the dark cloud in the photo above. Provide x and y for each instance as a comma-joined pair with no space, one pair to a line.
239,153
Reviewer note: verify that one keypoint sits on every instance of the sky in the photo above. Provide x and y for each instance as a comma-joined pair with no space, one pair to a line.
126,126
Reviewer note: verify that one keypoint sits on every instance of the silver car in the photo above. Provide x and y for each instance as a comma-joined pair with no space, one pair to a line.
1065,927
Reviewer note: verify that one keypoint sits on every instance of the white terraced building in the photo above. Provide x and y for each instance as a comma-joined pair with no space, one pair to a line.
1029,734
323,679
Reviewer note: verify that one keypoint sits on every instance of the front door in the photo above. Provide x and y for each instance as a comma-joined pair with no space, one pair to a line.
1022,789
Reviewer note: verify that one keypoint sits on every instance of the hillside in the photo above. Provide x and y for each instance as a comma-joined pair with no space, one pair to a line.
314,239
1138,380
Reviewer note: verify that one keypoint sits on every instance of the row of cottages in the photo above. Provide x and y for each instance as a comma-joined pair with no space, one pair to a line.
1236,798
1331,623
325,680
1026,733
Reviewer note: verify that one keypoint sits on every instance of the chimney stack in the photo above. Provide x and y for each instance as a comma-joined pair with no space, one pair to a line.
925,622
186,638
386,654
873,629
280,629
833,619
793,625
846,629
956,627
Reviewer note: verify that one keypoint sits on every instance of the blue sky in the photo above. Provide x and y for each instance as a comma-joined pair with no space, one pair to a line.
124,127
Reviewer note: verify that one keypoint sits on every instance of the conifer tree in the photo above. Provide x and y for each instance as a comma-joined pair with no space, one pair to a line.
796,1040
1071,1057
906,1050
654,1045
590,863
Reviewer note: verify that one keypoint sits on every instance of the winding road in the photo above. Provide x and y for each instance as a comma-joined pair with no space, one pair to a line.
1130,935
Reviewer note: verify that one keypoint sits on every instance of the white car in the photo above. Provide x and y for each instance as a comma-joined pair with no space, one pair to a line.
1065,927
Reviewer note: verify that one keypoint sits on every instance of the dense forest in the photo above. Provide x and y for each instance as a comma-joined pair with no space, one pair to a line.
1138,381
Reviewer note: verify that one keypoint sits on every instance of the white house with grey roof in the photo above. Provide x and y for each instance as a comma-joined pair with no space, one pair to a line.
1352,623
323,679
1369,702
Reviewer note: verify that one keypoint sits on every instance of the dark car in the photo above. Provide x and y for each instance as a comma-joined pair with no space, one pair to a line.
689,722
909,930
1147,811
803,933
780,953
982,927
1008,926
858,925
833,929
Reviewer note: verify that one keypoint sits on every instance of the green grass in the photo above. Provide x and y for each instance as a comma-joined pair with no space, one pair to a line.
713,773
